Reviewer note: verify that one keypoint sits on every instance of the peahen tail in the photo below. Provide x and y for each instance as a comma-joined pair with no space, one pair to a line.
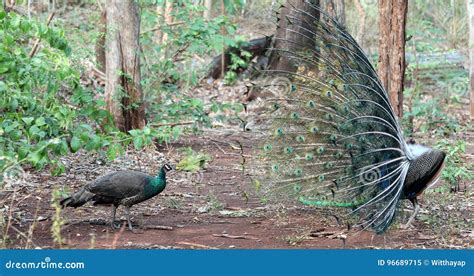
77,199
332,138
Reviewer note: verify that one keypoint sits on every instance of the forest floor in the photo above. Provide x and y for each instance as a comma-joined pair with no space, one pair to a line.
215,208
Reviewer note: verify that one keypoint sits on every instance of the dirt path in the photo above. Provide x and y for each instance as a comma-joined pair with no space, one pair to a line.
215,209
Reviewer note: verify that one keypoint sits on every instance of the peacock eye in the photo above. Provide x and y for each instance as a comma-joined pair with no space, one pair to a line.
268,147
288,150
329,165
311,104
314,130
275,168
279,131
309,156
276,106
293,88
295,115
300,138
297,188
320,150
298,172
328,93
321,178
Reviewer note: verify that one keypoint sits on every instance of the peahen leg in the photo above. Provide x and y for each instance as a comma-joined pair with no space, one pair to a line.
114,210
416,206
127,209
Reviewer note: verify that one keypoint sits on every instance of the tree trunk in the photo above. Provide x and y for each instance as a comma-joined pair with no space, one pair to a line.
168,18
158,33
362,18
123,92
470,8
391,67
282,36
207,11
100,44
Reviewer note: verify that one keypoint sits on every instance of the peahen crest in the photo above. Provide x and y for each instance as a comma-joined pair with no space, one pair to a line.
332,138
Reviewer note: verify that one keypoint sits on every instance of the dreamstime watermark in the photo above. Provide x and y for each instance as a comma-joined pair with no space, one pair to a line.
370,174
12,176
45,264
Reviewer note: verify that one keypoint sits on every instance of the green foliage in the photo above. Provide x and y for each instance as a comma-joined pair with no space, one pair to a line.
192,161
456,170
37,122
237,62
172,66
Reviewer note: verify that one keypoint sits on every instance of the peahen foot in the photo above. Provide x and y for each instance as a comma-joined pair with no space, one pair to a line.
416,207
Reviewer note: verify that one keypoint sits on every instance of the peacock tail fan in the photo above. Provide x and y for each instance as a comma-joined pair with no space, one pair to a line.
331,138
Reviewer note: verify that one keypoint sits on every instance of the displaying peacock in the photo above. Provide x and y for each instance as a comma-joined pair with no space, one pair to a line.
332,138
125,188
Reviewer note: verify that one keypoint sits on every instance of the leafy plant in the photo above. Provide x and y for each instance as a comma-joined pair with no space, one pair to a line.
456,170
192,161
37,122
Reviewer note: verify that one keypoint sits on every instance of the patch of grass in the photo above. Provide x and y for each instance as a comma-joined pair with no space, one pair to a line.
173,203
294,239
192,161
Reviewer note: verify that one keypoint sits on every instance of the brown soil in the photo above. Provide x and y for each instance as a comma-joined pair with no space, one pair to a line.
215,209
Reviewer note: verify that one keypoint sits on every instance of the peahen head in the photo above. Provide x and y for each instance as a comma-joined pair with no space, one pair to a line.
425,167
164,169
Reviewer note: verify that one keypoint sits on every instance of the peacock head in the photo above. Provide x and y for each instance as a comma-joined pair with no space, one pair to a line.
425,167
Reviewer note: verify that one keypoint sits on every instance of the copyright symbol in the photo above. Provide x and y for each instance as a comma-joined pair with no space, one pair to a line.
426,262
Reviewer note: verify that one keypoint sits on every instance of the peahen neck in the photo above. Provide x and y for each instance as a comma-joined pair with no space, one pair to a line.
159,182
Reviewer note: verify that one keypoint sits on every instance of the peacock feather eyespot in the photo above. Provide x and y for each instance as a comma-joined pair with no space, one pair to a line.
295,115
321,178
300,138
309,157
329,116
314,129
293,87
276,106
297,188
298,172
267,147
348,146
328,93
338,155
333,138
320,150
275,168
279,131
311,104
288,150
328,165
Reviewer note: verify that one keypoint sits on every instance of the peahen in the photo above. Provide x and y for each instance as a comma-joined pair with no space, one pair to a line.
332,138
125,188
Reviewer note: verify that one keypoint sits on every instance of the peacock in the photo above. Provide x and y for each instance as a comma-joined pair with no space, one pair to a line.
125,188
331,138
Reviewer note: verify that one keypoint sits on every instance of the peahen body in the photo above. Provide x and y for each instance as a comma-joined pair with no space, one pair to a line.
332,138
125,188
